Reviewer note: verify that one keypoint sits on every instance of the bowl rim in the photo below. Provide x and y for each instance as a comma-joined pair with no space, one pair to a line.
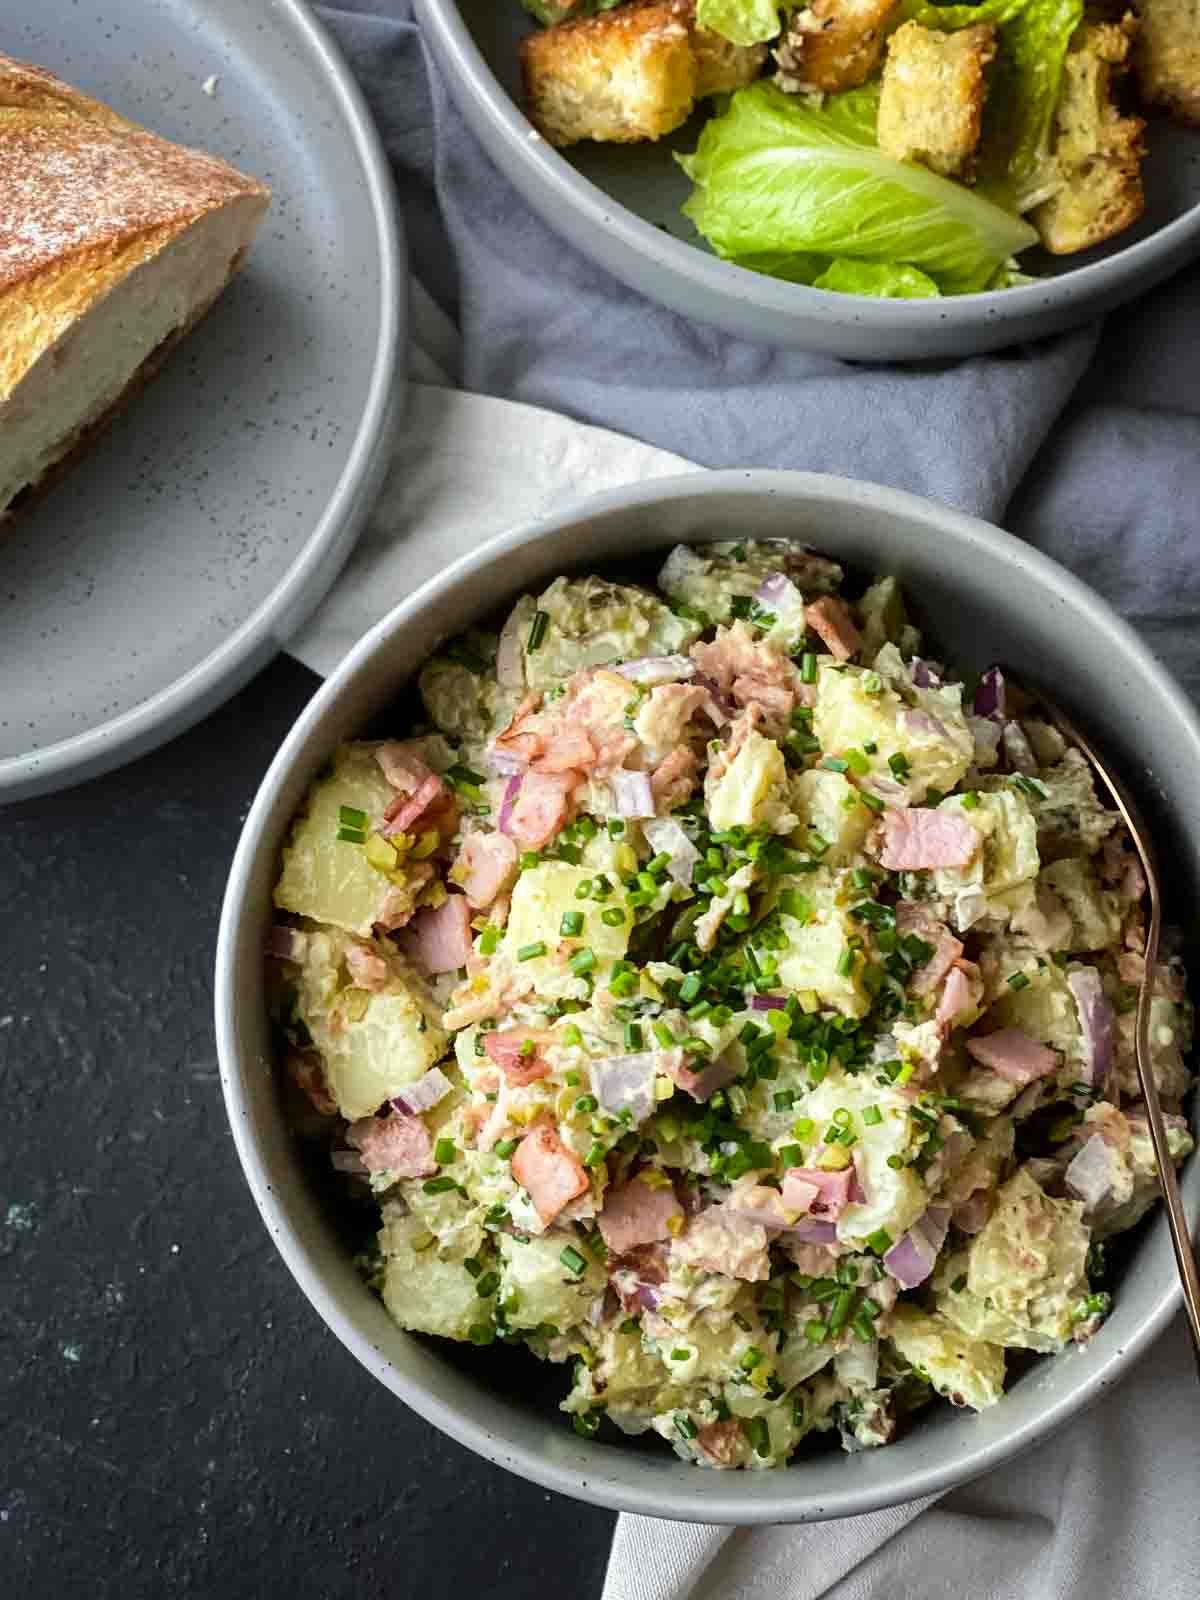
599,1485
226,667
566,186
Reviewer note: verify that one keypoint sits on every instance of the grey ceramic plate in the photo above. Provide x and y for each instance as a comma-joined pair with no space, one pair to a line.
170,564
620,204
983,596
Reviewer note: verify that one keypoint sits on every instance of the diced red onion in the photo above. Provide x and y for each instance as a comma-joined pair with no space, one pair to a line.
971,1214
626,1083
666,837
767,1002
631,792
990,696
911,1260
1017,748
346,1161
858,1194
720,709
511,790
504,763
428,1091
657,669
287,944
886,789
925,674
1090,1175
778,591
1095,1022
647,1297
815,1232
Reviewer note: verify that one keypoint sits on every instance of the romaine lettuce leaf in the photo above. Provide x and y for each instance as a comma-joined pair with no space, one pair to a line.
740,21
878,279
775,175
1024,83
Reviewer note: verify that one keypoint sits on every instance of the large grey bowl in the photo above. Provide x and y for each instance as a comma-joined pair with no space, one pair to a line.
982,595
619,204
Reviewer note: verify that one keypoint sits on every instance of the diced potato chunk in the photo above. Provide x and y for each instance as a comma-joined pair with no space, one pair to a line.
856,708
752,791
895,1196
330,879
1095,912
816,948
1024,1271
427,1290
829,805
372,1045
536,1287
999,879
540,897
969,1372
593,622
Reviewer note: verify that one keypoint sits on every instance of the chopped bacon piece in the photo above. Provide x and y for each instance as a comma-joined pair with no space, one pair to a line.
832,1191
955,997
718,1240
673,779
552,1174
829,618
368,969
1013,1055
406,810
508,1050
402,765
637,1214
721,1441
912,918
399,1144
485,867
922,837
541,808
398,906
440,940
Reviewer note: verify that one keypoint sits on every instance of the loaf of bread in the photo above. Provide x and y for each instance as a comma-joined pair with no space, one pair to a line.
113,243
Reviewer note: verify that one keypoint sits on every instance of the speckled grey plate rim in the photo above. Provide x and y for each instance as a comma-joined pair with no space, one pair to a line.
750,303
579,1468
212,681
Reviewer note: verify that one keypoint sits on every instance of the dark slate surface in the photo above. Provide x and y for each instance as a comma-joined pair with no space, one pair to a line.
175,1418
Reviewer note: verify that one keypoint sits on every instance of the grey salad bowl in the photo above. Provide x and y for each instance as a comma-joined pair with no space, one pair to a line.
981,595
619,204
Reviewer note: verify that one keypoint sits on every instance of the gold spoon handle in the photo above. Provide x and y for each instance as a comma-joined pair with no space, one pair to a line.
1185,1256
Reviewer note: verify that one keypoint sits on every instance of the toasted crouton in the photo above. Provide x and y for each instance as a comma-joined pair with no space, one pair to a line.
1097,152
629,74
931,102
832,45
1166,56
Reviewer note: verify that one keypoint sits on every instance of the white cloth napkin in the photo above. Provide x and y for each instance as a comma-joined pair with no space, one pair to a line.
1104,1511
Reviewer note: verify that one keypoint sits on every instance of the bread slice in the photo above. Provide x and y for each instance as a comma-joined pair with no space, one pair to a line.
931,102
113,243
630,74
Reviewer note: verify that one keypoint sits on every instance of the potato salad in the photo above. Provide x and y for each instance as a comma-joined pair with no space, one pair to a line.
734,1005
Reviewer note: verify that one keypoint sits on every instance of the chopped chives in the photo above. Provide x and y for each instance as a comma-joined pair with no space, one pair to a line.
586,1103
489,938
845,964
900,765
684,1426
757,1434
582,962
481,1333
871,801
970,800
791,1155
808,667
835,764
664,1035
751,1358
880,1241
784,1099
634,1038
444,1151
690,988
804,1127
352,836
872,1116
681,1354
439,1185
571,1035
595,1155
623,984
659,864
584,889
814,1331
1018,980
505,1147
537,630
487,1284
352,817
616,827
612,916
857,763
571,924
530,952
572,1260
